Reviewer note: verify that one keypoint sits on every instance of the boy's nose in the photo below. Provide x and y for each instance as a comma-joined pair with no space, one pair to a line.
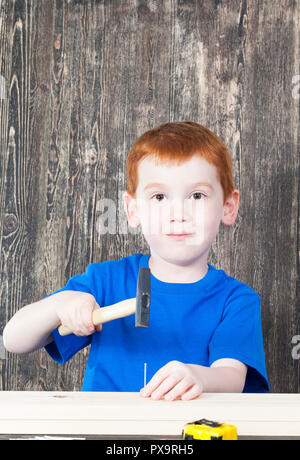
178,219
179,211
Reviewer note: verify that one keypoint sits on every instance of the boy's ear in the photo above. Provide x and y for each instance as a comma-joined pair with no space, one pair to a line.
130,206
230,208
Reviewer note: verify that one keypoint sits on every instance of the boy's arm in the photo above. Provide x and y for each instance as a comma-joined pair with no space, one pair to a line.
31,327
187,381
234,374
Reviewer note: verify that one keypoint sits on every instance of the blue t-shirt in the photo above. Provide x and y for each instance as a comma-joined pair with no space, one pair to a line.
195,323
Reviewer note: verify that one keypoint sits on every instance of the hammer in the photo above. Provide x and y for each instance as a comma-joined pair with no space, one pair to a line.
140,305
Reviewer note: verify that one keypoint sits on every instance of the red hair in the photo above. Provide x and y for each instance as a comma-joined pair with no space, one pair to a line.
177,142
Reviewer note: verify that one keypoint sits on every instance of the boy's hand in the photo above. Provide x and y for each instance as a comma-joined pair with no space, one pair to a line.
74,310
174,381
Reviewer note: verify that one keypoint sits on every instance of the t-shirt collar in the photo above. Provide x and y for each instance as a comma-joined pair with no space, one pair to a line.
179,288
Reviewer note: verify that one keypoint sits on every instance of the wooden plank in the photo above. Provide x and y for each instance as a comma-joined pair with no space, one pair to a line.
129,414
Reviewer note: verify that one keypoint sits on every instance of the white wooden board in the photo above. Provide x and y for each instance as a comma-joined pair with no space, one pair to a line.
129,414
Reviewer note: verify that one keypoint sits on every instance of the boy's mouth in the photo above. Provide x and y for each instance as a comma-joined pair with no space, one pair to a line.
179,236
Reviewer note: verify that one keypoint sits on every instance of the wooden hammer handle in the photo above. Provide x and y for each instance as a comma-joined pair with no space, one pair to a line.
103,315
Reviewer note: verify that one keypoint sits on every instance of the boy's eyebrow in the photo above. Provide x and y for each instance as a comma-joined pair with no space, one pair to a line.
153,185
196,184
206,184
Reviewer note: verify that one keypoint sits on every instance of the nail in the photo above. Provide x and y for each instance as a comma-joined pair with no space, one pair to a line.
145,374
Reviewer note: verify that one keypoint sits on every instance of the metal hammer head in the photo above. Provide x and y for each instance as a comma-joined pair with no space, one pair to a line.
143,298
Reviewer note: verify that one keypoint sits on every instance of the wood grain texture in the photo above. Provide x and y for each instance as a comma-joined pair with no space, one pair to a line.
129,414
83,80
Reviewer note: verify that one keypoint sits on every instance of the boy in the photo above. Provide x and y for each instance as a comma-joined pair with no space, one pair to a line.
205,331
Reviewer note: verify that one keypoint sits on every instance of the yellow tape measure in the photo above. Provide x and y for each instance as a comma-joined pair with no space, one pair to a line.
210,431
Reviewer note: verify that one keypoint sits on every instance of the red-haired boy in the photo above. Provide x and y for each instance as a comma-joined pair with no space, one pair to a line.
205,330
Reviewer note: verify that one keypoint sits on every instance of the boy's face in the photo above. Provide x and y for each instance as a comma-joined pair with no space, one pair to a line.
179,208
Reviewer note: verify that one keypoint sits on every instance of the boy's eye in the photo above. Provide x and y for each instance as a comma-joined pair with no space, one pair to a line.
158,196
195,196
198,195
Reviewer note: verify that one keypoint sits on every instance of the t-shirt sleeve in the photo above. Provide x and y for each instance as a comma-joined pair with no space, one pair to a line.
239,336
61,349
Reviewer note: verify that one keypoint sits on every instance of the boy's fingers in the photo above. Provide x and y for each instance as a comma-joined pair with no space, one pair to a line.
85,318
166,386
99,327
155,382
152,385
192,393
178,390
87,321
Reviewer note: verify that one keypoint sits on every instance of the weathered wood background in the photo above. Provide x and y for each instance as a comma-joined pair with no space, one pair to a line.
80,80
